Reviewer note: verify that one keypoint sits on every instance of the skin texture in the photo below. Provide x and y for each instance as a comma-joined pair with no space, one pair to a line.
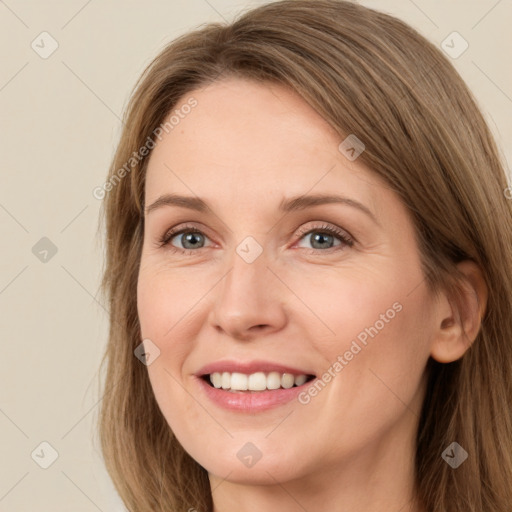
242,149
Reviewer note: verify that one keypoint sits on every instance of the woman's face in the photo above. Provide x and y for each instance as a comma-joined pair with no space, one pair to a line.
261,284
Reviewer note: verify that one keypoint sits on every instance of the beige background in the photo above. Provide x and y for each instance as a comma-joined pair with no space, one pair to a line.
60,121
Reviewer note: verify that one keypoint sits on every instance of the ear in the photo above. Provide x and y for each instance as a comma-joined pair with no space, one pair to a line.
458,322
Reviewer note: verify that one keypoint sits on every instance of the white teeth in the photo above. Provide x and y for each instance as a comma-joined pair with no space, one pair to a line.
216,379
287,380
273,380
226,380
258,381
239,381
300,379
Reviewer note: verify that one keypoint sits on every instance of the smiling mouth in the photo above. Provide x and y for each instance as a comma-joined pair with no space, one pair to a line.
255,382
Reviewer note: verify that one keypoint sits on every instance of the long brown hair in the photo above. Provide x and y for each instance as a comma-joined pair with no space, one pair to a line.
371,75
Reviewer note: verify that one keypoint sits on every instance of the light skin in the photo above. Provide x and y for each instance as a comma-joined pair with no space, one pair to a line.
243,149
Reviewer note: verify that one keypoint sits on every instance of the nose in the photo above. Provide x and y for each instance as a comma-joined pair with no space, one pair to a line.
250,300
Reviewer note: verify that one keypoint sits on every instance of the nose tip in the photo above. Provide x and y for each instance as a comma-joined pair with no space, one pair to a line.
246,306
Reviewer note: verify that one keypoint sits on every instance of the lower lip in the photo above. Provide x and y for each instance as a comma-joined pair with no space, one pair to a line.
247,401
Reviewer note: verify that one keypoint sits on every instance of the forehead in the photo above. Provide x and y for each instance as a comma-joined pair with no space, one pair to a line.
253,143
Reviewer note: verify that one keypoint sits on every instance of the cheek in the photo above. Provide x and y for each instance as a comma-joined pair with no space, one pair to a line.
384,354
166,299
374,375
167,303
377,343
162,310
352,303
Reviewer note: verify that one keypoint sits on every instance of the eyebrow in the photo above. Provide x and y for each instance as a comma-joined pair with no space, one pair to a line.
287,205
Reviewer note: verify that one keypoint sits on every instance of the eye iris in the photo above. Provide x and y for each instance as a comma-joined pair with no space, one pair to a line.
193,239
190,237
320,237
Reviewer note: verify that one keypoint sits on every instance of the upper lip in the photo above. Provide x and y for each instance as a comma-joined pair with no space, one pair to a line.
249,367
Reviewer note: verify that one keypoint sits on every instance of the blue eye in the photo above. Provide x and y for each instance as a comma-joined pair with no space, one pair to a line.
189,236
325,235
192,239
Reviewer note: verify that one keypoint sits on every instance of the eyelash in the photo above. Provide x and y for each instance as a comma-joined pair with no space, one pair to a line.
164,241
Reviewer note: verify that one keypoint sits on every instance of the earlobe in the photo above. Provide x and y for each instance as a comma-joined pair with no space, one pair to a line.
459,321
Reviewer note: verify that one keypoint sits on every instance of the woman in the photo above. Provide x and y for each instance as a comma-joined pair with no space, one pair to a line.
247,369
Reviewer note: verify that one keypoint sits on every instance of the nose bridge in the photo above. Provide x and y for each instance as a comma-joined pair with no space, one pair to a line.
244,285
245,302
